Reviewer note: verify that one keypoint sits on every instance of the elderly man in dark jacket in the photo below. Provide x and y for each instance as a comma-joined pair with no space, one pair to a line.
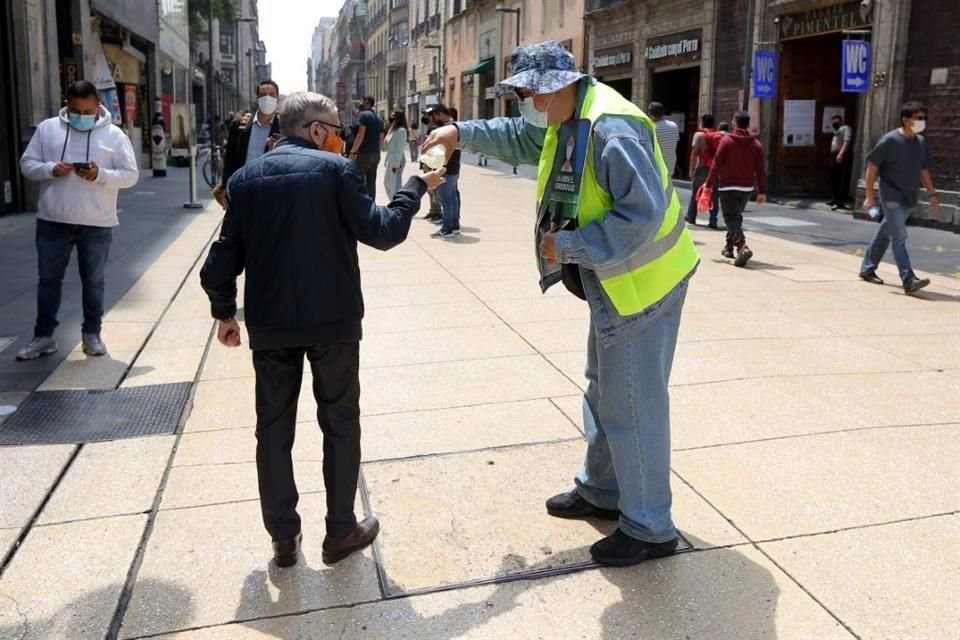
293,220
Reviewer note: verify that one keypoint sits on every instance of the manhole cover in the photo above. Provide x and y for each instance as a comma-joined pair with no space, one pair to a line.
72,417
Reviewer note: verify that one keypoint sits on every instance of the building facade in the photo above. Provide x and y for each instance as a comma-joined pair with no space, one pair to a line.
348,60
425,56
318,76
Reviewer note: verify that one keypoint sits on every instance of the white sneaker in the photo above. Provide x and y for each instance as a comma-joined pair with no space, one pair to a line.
93,345
38,347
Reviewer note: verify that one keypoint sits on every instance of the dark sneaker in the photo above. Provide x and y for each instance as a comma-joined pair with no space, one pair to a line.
871,277
285,551
727,253
915,284
713,225
690,220
433,216
572,505
93,345
38,347
442,233
742,256
620,550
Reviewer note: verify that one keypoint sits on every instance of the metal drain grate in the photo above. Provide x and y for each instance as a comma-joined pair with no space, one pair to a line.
74,417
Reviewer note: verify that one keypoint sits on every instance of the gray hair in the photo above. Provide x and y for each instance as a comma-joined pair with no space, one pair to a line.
302,107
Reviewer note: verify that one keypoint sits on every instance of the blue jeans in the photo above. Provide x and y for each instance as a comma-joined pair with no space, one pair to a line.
449,197
55,242
893,226
626,415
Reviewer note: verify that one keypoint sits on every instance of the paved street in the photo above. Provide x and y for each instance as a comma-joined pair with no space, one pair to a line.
816,429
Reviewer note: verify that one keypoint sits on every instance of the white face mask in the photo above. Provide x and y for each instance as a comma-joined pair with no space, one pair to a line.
918,126
267,104
532,115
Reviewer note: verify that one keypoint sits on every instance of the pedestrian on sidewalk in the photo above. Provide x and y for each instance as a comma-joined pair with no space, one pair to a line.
613,232
251,135
902,161
668,135
739,161
841,162
449,192
395,144
283,233
706,141
368,144
81,160
414,140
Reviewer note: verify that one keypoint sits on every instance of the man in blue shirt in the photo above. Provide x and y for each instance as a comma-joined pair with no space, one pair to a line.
368,144
901,160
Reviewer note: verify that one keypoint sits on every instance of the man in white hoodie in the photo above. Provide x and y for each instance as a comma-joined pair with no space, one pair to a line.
82,161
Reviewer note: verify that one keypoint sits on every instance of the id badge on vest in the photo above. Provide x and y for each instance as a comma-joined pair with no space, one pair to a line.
572,138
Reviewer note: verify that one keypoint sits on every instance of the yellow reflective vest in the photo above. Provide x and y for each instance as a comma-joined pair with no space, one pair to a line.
649,275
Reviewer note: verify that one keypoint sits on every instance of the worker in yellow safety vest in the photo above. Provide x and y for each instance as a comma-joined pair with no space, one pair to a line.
609,226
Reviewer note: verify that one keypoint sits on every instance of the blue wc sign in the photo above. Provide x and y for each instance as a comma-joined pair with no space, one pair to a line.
764,70
855,70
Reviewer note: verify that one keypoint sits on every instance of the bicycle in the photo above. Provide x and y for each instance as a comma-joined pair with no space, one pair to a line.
212,166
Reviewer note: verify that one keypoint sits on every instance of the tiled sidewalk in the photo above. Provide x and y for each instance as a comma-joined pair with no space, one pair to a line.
816,429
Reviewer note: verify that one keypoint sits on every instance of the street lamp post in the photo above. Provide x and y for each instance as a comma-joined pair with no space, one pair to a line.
500,8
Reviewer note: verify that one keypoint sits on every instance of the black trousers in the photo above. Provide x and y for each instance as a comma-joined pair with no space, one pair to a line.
840,178
336,387
367,164
732,203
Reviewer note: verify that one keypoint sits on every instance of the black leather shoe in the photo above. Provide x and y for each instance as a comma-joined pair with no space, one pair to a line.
336,549
915,284
285,551
871,277
620,550
572,505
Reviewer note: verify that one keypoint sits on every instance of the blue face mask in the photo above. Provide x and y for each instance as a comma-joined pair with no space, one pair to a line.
82,123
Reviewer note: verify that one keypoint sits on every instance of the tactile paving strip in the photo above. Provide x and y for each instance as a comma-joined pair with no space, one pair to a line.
74,417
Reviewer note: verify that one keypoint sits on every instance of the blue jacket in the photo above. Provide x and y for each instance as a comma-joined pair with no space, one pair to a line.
294,217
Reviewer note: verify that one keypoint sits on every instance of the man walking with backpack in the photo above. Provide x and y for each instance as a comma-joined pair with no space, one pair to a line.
738,161
251,135
703,150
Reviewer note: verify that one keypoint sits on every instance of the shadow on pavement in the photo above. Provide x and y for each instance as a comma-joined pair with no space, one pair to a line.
713,593
83,616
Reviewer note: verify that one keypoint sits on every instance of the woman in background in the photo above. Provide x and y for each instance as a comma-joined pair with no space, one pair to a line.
395,144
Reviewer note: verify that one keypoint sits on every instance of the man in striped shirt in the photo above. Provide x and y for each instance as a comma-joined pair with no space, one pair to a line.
668,135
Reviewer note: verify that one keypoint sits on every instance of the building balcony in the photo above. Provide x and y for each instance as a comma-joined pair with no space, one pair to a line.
434,80
595,6
399,14
397,57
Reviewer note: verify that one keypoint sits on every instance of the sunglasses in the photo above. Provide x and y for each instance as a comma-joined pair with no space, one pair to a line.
335,127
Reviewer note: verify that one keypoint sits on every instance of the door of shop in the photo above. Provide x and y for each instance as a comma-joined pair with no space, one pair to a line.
623,86
809,70
679,92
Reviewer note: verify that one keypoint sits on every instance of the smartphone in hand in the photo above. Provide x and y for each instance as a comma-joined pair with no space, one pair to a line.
81,166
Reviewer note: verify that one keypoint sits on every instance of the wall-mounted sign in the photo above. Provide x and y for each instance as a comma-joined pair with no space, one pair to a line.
490,93
855,66
608,59
799,123
679,47
764,74
852,15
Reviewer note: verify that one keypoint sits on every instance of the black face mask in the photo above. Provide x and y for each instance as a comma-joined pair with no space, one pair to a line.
836,126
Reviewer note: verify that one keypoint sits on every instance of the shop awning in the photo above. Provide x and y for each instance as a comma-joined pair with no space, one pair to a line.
481,67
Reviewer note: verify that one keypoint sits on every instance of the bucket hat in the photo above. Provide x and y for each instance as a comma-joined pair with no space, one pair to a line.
545,67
